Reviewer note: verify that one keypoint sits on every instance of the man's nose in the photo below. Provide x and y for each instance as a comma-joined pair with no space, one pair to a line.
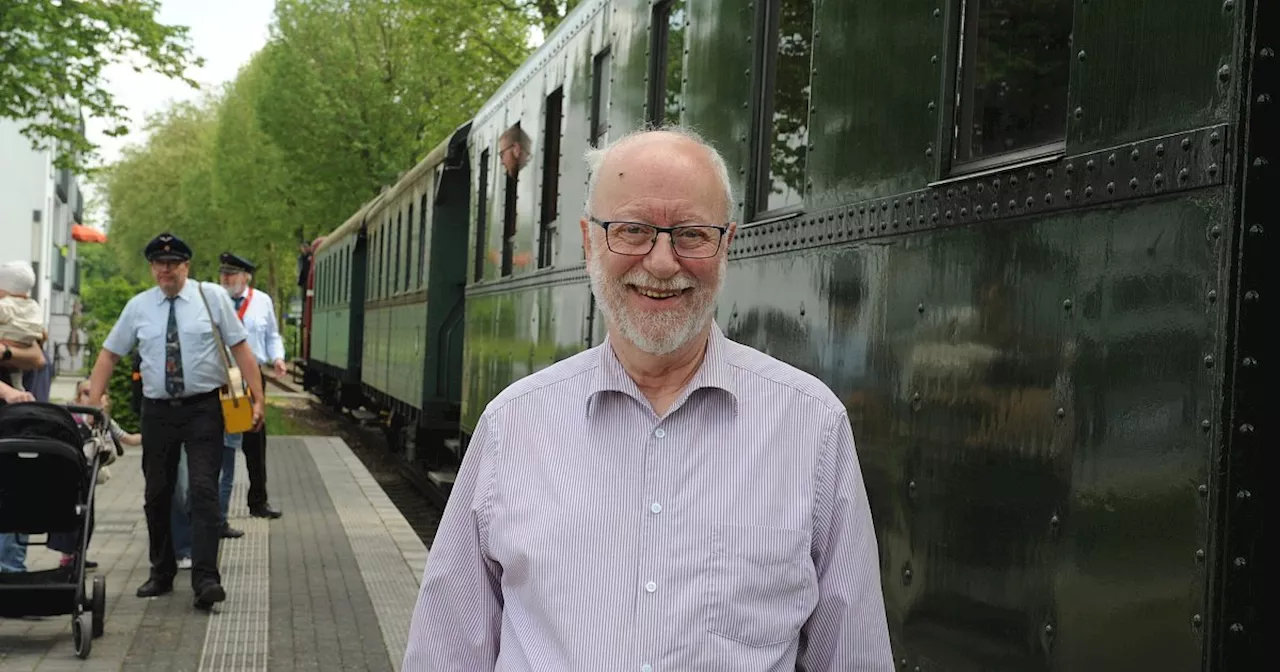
661,262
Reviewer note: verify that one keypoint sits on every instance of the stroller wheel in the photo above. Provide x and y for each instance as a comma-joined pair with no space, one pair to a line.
80,632
98,608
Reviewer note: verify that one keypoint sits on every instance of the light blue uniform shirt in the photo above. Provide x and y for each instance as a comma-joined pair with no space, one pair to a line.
144,321
260,325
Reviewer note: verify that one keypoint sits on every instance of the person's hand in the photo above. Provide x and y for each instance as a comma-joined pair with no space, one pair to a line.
279,368
259,414
11,396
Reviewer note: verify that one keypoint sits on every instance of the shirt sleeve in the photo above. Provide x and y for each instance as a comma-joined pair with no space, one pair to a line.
275,344
848,629
220,303
124,333
459,610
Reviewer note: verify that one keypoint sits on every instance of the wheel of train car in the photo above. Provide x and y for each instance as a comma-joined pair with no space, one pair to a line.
99,606
81,633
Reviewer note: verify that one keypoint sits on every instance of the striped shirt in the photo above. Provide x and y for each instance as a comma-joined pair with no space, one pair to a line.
584,532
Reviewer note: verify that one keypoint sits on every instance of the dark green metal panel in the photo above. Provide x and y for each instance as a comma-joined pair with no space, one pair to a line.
1027,399
718,66
513,333
446,280
1147,67
875,98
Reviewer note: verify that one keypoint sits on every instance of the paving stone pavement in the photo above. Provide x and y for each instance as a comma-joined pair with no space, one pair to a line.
302,595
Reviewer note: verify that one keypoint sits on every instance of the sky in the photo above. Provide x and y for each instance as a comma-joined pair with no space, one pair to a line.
226,33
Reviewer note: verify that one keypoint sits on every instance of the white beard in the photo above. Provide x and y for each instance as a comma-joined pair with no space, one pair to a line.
654,332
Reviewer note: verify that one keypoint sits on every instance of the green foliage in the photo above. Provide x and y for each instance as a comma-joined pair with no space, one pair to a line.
52,53
103,299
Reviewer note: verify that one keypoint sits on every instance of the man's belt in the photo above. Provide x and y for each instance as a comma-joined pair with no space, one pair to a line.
183,401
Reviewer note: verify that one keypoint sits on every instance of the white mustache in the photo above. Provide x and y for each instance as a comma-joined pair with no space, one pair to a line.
640,278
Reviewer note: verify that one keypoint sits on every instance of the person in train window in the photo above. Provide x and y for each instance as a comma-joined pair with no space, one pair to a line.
513,147
257,311
668,499
172,325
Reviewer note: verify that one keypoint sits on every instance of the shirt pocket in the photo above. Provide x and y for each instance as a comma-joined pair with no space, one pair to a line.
198,333
761,587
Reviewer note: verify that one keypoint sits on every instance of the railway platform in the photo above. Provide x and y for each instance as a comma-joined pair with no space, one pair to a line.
330,586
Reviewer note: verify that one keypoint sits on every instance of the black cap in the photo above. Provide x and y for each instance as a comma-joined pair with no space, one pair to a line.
231,263
167,246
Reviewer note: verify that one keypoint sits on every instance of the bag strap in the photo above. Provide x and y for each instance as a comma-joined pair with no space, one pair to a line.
217,335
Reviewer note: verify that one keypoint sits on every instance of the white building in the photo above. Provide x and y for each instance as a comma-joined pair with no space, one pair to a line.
38,205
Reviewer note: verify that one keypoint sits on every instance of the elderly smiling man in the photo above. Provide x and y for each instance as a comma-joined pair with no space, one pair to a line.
667,500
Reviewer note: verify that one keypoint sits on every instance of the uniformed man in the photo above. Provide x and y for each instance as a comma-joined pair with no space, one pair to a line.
258,314
182,372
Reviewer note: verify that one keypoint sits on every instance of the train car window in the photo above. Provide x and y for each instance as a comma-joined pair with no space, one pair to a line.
600,68
783,110
422,242
399,253
666,62
550,175
513,150
1013,61
482,216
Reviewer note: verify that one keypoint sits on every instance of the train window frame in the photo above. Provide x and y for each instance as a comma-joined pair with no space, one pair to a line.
958,61
410,281
422,242
396,287
601,89
659,51
552,135
482,217
764,82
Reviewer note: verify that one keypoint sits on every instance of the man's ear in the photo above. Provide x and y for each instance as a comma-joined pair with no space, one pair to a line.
586,237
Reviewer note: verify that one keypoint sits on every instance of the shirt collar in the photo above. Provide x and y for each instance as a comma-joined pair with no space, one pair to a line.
714,373
188,288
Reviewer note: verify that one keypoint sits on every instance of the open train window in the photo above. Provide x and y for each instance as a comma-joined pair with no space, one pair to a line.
482,216
1013,59
666,62
513,151
550,175
399,253
600,68
782,111
422,242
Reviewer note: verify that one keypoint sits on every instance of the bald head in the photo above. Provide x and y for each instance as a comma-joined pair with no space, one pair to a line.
660,162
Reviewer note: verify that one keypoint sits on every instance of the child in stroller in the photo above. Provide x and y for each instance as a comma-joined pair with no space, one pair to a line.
48,474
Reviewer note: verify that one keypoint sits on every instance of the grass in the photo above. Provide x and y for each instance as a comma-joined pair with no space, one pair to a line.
282,423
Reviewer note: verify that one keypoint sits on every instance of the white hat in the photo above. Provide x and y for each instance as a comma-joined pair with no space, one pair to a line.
17,277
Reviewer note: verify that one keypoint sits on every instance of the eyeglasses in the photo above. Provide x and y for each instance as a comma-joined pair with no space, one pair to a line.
636,239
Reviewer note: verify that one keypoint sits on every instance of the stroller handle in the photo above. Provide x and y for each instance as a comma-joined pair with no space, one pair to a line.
102,419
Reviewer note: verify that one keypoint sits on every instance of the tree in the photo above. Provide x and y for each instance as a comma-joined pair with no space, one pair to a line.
52,53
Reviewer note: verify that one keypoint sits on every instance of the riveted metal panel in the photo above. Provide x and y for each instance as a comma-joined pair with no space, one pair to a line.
1237,639
719,65
1027,397
1162,165
876,101
1148,67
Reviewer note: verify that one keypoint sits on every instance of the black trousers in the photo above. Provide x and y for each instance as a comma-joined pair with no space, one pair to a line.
254,448
165,428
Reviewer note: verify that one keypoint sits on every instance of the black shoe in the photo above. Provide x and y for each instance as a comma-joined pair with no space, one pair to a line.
209,594
154,587
264,511
229,532
89,564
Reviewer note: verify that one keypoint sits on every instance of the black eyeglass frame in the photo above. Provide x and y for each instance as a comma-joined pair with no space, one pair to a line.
658,230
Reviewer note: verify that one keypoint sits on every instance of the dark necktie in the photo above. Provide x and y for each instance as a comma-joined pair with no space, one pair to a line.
239,300
172,354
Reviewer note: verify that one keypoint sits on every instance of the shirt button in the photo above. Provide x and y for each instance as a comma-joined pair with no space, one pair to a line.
659,432
655,507
646,668
651,586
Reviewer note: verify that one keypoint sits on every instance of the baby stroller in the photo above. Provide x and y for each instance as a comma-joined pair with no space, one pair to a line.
48,469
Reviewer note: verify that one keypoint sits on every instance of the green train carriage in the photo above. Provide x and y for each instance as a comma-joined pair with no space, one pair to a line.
1019,239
